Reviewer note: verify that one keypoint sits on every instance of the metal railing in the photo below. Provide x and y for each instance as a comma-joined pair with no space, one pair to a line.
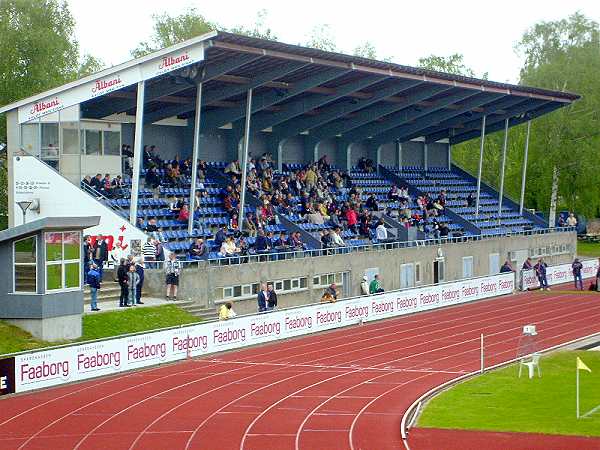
103,199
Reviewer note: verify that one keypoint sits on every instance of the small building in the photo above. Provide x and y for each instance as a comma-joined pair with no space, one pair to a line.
41,278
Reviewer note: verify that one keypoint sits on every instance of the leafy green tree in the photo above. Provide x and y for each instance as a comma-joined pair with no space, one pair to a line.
321,37
454,64
38,52
260,29
366,50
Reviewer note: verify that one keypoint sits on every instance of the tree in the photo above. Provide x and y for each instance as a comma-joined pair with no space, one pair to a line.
365,50
169,30
39,52
260,28
454,64
321,38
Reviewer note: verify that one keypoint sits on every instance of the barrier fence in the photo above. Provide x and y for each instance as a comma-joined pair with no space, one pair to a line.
44,368
562,273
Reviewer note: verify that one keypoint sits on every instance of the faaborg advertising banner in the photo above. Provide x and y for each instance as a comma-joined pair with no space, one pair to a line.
558,274
101,86
84,361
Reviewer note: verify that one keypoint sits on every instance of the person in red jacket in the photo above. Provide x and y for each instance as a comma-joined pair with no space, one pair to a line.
352,219
184,214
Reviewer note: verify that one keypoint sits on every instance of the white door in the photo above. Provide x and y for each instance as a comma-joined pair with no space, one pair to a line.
494,263
407,275
467,263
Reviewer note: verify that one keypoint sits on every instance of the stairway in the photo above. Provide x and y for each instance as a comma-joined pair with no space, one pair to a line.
200,311
109,292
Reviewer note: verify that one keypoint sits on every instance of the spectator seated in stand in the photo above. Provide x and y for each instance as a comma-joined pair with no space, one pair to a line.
262,243
229,248
221,235
151,226
233,168
381,232
184,214
198,250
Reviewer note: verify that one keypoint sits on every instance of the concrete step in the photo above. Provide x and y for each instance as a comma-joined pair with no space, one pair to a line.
200,311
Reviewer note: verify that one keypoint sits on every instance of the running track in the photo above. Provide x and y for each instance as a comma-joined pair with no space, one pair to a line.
337,390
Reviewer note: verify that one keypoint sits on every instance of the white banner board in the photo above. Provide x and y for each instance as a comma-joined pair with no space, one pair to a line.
101,86
562,273
79,362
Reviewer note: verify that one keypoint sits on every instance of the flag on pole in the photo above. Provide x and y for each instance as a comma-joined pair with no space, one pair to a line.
582,366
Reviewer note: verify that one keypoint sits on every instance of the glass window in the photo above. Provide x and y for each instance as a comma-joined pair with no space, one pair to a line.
25,269
54,247
227,292
467,266
72,245
303,282
417,272
255,288
70,141
93,142
247,289
71,275
237,291
112,142
331,278
316,281
53,277
279,286
30,138
295,283
287,285
50,143
323,280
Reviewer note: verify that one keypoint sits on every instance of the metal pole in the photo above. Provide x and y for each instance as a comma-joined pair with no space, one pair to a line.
426,157
524,174
449,156
137,151
482,360
399,153
195,156
480,165
501,194
577,389
245,159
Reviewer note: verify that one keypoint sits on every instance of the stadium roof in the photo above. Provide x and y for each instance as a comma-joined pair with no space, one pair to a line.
299,90
49,223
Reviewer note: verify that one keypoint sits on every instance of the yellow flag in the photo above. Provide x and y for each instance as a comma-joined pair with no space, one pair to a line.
581,365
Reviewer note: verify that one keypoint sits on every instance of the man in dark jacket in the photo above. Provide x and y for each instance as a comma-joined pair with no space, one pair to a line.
272,300
506,267
93,279
262,298
262,243
139,268
540,271
100,254
220,236
577,266
87,254
122,279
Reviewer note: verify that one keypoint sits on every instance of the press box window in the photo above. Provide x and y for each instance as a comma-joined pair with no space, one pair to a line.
25,268
63,260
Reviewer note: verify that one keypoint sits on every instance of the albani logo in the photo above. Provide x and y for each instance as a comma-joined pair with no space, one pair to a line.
102,86
169,61
45,105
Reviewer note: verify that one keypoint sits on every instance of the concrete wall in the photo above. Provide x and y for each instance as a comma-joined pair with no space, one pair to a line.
412,154
170,140
437,155
389,154
293,150
200,283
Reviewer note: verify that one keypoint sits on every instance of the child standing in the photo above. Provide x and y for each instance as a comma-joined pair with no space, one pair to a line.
132,282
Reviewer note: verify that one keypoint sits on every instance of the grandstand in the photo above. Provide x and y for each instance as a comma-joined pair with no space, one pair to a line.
170,124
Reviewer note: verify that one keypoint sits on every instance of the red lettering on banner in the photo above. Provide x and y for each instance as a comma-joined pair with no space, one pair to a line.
147,351
406,302
297,323
45,370
190,343
169,61
229,335
42,106
103,85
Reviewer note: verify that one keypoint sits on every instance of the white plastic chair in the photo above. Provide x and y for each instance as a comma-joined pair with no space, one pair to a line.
531,365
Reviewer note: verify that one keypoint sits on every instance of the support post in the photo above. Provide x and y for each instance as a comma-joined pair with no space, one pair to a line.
399,145
378,157
425,156
501,194
524,174
245,158
137,151
195,148
553,198
449,156
482,356
481,146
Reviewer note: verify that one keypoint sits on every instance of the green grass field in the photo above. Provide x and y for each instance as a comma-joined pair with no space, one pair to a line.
500,401
589,249
96,326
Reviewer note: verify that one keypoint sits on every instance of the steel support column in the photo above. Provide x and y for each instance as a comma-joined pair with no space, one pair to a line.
195,148
449,156
480,166
399,146
524,173
137,151
245,158
425,156
502,167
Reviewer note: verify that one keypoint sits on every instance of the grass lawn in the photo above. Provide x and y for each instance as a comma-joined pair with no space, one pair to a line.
499,401
590,249
113,323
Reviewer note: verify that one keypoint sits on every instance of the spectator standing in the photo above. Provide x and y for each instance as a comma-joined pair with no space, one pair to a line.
139,269
577,267
93,279
540,271
149,252
132,282
506,267
272,300
172,270
262,298
226,311
527,265
100,254
571,220
364,286
122,279
160,251
88,253
375,286
381,232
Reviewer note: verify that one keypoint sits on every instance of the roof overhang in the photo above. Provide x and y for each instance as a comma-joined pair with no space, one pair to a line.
49,224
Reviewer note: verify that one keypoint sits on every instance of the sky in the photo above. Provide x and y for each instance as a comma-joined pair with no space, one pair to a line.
484,32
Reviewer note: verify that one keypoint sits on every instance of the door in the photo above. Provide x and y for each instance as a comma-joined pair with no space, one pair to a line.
494,263
438,271
407,276
467,263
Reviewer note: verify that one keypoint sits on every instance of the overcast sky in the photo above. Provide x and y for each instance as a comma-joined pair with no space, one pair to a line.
484,32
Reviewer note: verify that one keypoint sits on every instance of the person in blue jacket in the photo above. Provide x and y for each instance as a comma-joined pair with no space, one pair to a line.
540,271
93,279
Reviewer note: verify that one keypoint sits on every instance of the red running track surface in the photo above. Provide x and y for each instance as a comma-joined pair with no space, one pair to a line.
342,389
